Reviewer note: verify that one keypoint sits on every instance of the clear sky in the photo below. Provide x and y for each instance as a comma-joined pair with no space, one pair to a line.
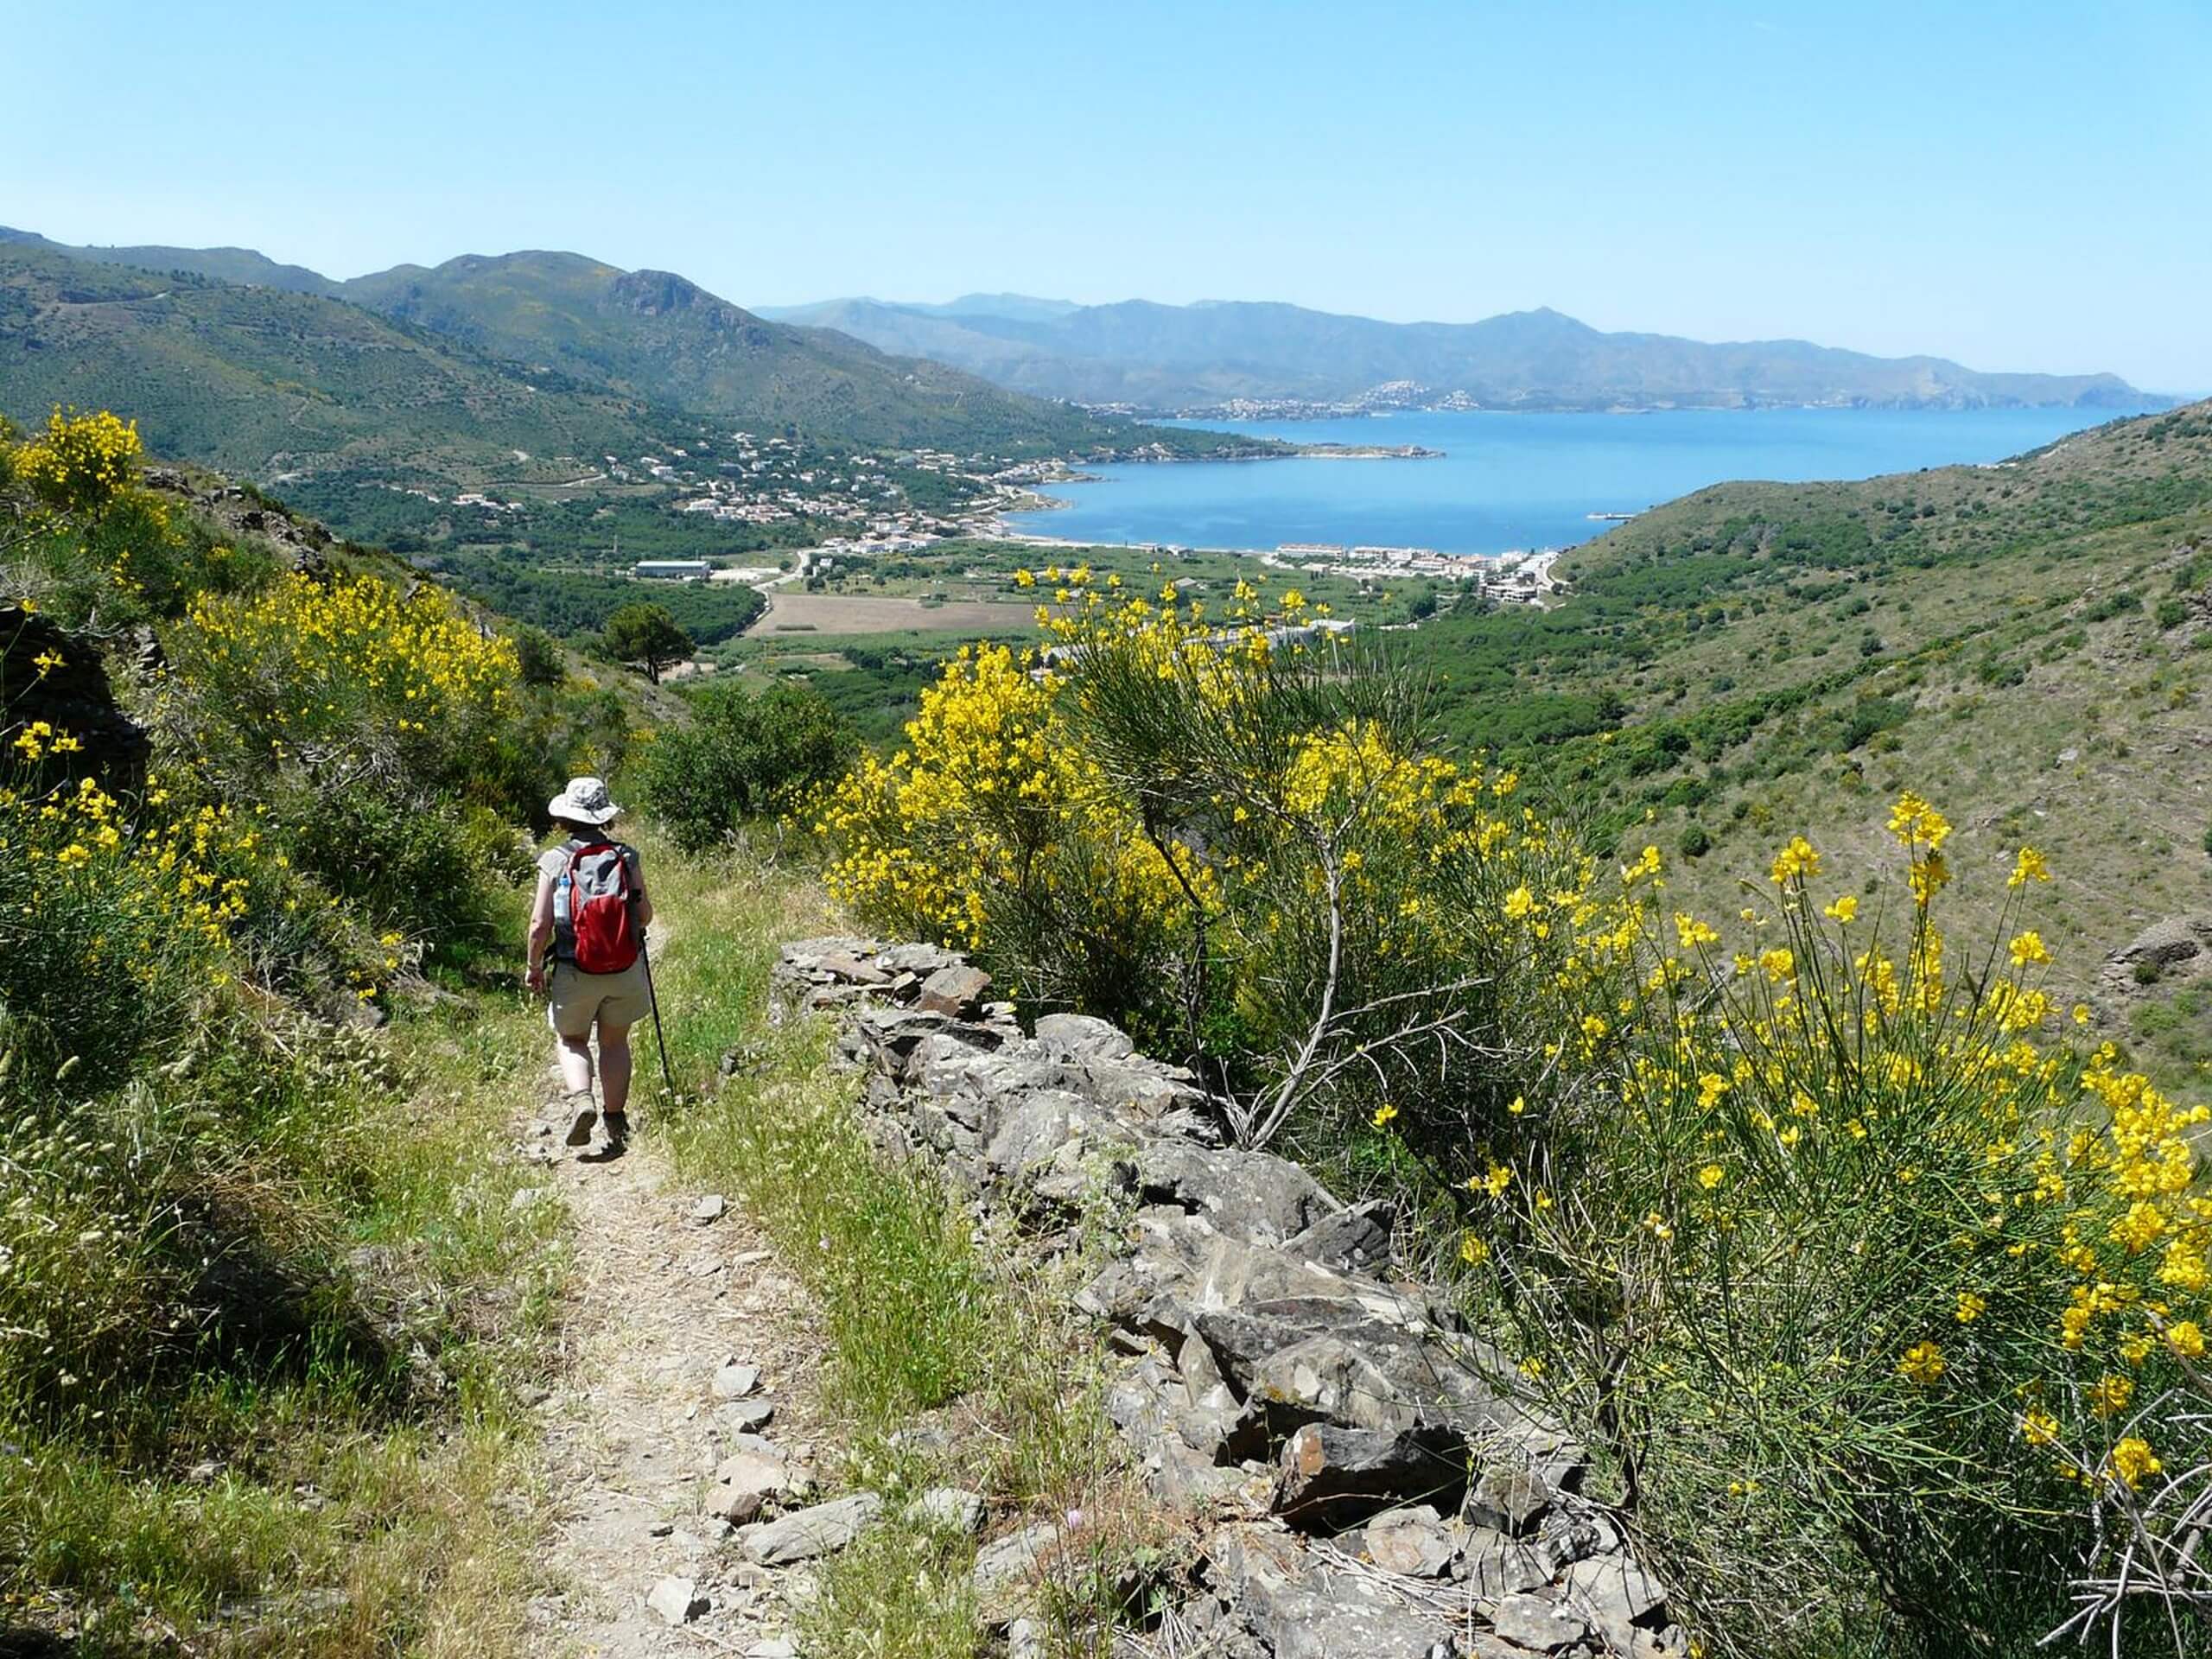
2018,186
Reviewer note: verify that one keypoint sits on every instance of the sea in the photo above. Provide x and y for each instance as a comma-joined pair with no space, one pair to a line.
1507,482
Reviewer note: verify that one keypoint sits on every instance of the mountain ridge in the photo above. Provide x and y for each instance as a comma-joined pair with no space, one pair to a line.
1146,356
655,338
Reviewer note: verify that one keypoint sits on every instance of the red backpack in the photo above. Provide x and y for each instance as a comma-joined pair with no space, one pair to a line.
592,908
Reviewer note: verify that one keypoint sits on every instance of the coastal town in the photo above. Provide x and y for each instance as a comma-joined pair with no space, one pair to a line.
852,510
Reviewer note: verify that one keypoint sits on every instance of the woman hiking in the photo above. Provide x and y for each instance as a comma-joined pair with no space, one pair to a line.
592,909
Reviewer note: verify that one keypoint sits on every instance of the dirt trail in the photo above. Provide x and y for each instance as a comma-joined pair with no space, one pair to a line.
659,1301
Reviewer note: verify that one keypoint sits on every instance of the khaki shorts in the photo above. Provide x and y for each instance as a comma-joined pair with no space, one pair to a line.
579,1001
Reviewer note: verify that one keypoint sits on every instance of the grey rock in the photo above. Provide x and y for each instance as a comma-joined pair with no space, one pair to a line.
1299,1609
733,1381
1329,1479
805,1534
1079,1037
1493,1566
844,965
1510,1499
675,1600
1412,1541
1356,1240
948,1508
953,991
1531,1622
1035,1130
924,959
1564,1537
1249,1195
1617,1595
1005,1566
745,1482
747,1416
1327,1358
710,1208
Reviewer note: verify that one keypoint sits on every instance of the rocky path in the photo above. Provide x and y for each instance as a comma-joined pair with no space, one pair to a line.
683,1344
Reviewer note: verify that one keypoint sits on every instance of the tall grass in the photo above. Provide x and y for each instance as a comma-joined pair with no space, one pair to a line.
267,1308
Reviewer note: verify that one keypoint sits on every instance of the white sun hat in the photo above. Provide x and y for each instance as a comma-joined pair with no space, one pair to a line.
584,801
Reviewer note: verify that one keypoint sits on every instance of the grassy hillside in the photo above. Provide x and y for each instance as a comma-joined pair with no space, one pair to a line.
241,266
283,388
2026,644
552,326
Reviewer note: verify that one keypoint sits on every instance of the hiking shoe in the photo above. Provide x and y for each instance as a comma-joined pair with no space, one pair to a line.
616,1142
586,1115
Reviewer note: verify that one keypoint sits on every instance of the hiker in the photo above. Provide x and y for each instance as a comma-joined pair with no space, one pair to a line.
591,909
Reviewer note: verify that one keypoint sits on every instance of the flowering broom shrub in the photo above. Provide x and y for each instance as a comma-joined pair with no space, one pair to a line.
109,930
352,678
1233,837
1884,1308
988,830
383,729
1874,1292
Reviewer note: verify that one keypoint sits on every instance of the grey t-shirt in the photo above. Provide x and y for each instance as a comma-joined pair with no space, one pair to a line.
554,860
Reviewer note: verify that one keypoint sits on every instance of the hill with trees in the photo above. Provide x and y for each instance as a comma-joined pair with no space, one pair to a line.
570,336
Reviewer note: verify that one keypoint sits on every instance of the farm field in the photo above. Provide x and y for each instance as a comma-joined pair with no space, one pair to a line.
840,613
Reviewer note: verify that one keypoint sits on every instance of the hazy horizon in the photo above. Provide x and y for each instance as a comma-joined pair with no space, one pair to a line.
1888,179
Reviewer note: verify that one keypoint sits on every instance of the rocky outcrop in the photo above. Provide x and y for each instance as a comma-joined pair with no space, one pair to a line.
49,674
1372,1487
2177,948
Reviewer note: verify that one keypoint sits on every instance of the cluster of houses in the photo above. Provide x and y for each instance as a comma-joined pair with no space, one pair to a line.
1513,578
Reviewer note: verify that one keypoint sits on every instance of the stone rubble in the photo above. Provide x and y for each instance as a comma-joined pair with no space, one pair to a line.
1371,1488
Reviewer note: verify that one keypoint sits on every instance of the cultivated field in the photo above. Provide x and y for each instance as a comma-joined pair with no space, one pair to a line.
837,613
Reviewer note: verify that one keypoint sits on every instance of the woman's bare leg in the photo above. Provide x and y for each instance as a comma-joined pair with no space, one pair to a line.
614,1066
575,1056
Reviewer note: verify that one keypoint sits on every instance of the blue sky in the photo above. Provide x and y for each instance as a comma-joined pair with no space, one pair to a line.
2016,185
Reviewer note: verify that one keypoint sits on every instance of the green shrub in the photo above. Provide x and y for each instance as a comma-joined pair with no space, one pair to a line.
537,659
647,635
741,757
111,933
1695,843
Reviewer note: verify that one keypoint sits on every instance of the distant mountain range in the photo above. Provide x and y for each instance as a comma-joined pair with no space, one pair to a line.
1219,356
265,369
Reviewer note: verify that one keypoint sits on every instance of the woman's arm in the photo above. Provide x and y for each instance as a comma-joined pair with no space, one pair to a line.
643,901
541,934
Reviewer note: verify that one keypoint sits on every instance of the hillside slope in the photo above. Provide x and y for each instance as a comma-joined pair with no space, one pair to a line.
1167,357
2028,645
241,266
658,336
647,335
268,384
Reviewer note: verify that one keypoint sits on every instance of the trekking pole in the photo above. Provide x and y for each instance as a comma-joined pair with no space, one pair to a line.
653,999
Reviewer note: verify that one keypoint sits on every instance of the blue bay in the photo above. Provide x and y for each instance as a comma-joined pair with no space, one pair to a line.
1511,481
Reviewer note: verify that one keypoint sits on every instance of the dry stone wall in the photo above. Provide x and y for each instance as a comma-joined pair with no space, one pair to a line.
1361,1484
